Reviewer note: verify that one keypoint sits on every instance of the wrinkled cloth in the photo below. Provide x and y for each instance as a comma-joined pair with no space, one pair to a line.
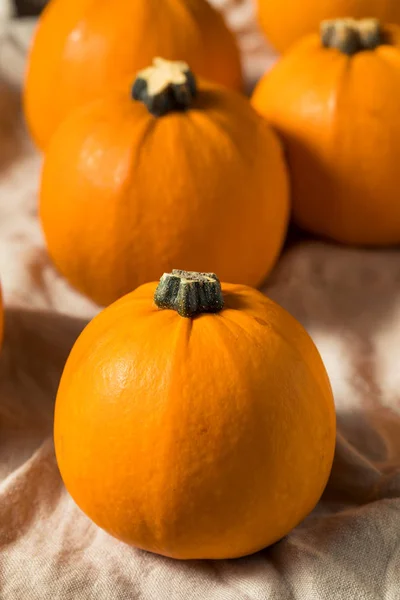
349,301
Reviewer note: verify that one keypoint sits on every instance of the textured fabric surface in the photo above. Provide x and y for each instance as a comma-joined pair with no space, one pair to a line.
349,300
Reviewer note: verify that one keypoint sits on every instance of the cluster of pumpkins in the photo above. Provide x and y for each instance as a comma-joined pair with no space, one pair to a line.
126,195
195,419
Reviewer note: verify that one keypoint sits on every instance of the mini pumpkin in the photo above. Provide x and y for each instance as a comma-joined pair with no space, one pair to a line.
334,101
181,173
199,424
82,48
287,21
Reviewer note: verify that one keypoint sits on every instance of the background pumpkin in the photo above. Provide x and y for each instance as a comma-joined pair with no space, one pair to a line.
337,112
82,48
286,21
126,195
186,456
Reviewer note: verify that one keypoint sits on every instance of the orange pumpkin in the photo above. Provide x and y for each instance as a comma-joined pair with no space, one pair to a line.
82,48
335,104
186,175
287,21
203,430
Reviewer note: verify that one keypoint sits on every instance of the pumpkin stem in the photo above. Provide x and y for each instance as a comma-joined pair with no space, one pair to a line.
165,87
351,36
189,293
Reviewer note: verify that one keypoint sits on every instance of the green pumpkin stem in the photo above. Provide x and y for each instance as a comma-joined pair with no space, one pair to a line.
189,293
167,86
350,36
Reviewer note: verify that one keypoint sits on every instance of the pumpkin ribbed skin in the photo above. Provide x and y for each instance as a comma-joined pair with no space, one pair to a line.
287,21
126,196
338,118
83,48
209,437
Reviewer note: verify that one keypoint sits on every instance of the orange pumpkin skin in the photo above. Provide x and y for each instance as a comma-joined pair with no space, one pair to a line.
125,196
338,118
286,21
210,437
83,48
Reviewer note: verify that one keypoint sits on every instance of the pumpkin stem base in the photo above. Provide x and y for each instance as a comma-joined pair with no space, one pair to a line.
167,86
350,36
189,293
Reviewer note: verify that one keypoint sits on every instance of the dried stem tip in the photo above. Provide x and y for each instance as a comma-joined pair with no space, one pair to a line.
351,36
189,293
165,87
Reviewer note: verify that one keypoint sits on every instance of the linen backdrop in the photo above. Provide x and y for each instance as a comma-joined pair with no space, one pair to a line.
349,300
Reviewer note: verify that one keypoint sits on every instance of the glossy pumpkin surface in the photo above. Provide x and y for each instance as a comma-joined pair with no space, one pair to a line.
205,437
83,48
338,118
126,196
287,21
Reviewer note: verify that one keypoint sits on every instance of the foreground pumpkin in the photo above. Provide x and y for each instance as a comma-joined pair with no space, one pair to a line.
82,48
202,430
287,21
181,175
334,99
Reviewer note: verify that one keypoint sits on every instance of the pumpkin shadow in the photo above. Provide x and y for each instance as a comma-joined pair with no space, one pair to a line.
349,301
366,467
12,130
29,8
35,349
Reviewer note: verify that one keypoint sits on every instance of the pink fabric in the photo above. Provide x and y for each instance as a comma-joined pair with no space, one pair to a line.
349,300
